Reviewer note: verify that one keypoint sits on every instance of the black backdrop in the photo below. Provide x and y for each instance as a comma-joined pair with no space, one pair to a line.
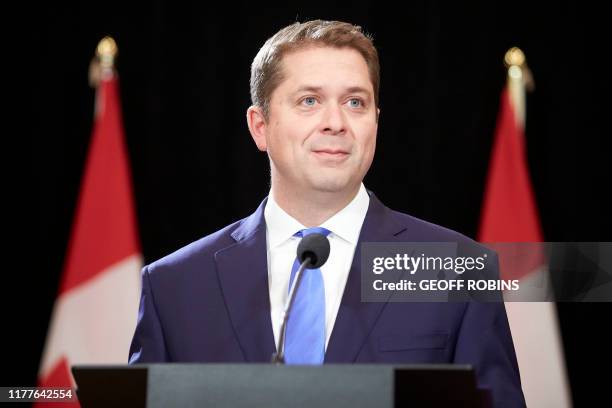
184,70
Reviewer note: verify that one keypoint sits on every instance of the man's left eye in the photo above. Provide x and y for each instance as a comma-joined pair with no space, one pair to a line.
357,104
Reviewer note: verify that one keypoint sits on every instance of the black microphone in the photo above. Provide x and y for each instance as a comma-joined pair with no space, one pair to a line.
312,252
315,249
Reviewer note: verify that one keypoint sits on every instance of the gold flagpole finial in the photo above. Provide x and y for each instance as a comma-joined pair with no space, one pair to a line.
519,80
103,64
514,56
518,70
106,52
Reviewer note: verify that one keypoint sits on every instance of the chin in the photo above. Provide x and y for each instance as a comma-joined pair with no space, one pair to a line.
331,184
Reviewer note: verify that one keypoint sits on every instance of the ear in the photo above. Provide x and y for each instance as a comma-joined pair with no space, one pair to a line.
257,127
377,114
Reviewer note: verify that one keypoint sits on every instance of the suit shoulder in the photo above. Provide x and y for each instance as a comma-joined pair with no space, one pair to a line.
197,251
419,230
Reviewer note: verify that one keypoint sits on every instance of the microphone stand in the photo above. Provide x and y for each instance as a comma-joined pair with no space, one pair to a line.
279,356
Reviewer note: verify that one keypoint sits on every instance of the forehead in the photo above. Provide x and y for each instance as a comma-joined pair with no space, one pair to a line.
325,67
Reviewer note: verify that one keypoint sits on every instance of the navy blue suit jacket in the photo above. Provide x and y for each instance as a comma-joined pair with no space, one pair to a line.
209,302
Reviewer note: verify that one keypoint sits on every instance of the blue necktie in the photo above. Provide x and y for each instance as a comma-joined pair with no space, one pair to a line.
305,337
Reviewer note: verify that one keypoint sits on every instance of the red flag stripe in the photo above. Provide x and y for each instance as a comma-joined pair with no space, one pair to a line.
509,211
104,230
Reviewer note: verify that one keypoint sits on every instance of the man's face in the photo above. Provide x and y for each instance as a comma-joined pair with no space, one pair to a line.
321,132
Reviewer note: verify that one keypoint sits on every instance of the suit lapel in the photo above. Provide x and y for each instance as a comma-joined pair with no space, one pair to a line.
355,318
243,274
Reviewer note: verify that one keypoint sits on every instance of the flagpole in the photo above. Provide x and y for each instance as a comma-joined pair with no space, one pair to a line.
99,289
510,215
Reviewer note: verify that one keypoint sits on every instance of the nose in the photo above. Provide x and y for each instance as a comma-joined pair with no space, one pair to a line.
334,122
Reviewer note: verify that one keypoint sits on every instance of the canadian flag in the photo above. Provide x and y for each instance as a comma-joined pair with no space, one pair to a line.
510,215
94,315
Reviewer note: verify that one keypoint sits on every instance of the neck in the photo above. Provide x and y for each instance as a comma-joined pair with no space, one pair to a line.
312,208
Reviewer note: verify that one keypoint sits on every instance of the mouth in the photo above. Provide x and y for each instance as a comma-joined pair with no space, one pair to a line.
330,151
331,154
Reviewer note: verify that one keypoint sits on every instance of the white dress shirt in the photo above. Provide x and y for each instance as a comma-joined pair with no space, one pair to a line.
345,227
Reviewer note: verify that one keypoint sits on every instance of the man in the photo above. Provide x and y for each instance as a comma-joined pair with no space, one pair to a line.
314,88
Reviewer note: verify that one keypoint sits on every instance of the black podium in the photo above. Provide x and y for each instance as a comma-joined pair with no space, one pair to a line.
267,385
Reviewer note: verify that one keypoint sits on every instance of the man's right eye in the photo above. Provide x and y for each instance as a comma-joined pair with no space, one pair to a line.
309,101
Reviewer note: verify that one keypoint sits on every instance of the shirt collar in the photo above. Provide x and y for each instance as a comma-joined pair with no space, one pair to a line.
345,224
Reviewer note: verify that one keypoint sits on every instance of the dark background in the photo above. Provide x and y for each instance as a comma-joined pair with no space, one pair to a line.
184,70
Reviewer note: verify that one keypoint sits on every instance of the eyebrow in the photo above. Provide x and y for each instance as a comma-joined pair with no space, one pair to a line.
310,88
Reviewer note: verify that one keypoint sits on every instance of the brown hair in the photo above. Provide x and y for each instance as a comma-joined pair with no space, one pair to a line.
266,72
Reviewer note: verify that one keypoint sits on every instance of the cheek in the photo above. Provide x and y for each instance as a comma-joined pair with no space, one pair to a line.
294,137
367,140
284,143
368,155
